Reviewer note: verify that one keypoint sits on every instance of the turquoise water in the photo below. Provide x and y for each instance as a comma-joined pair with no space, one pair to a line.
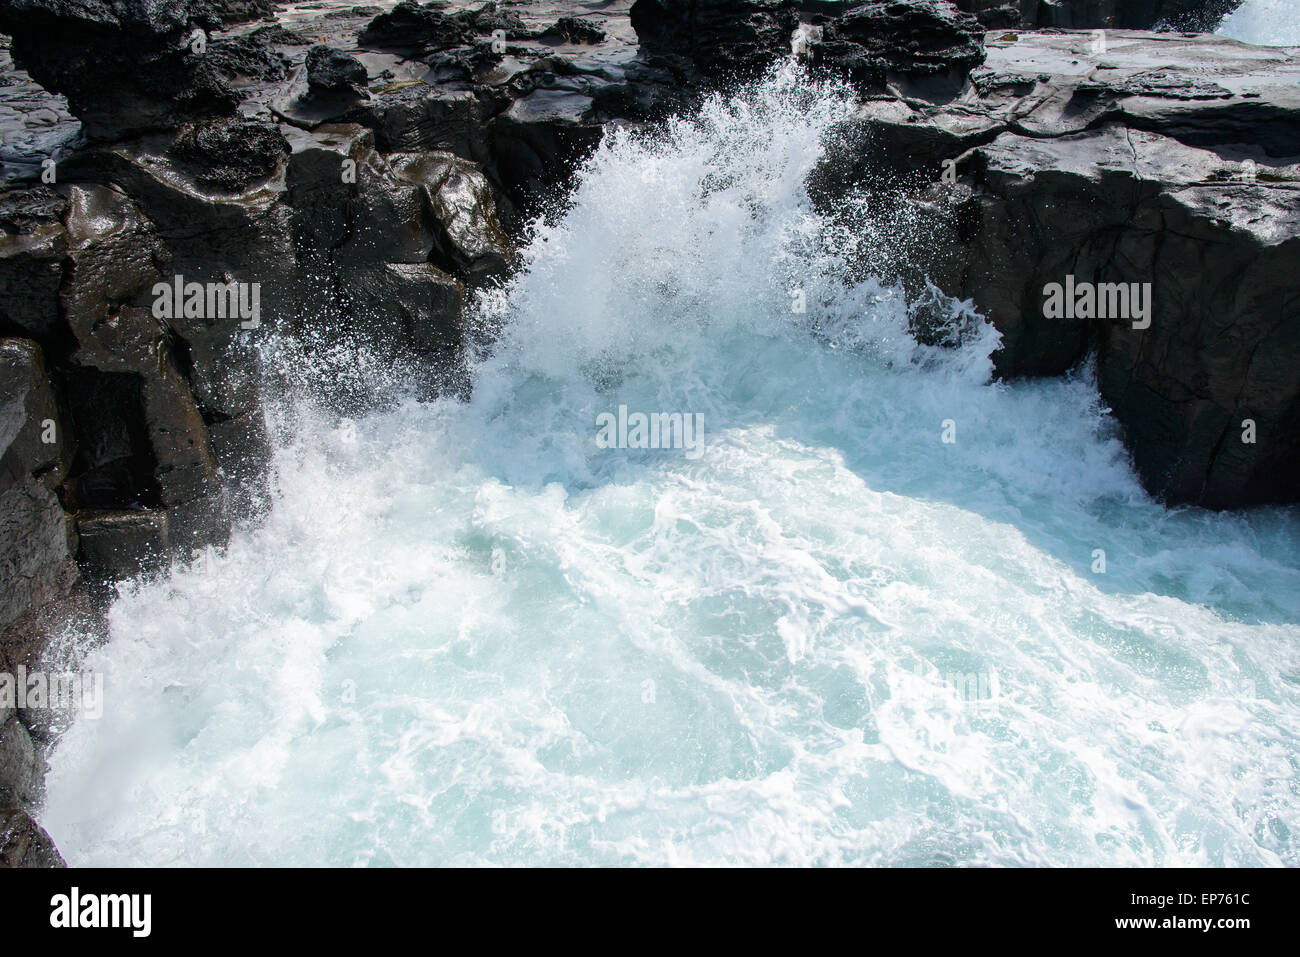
465,633
1266,22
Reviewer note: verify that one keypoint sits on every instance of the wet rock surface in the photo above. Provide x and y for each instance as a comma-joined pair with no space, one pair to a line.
1201,15
230,155
1168,160
36,544
230,12
720,37
925,37
332,72
128,66
21,765
24,843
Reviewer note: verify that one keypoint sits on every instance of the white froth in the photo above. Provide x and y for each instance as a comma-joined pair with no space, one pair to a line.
464,634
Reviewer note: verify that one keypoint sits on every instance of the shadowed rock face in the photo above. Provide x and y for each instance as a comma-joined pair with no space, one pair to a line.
124,67
21,765
333,71
31,254
24,843
720,37
1168,160
230,155
37,544
409,25
36,547
1202,15
924,37
230,12
1224,336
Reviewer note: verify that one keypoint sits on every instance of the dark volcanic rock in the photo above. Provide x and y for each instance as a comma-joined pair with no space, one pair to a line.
994,14
573,30
21,765
409,25
230,154
389,242
127,66
139,371
410,119
405,306
239,11
23,210
459,37
35,544
331,71
538,141
249,57
1201,15
489,18
24,843
920,37
721,37
245,238
1221,259
274,33
1135,170
32,247
467,233
116,545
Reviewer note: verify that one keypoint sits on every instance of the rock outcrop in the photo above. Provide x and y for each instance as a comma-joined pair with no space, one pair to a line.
1201,15
21,765
124,67
230,12
229,155
719,37
332,72
426,29
24,843
37,542
915,38
1129,167
158,416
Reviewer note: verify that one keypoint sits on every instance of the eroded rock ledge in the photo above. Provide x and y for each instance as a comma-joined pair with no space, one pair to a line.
367,166
24,843
1201,15
1167,159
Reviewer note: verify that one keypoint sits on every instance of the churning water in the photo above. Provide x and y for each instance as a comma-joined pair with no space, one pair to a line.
1266,22
468,633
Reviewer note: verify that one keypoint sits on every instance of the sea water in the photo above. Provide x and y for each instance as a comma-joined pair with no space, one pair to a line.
893,613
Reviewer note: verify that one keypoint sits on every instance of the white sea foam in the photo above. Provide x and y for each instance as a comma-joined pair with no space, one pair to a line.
464,633
1266,22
